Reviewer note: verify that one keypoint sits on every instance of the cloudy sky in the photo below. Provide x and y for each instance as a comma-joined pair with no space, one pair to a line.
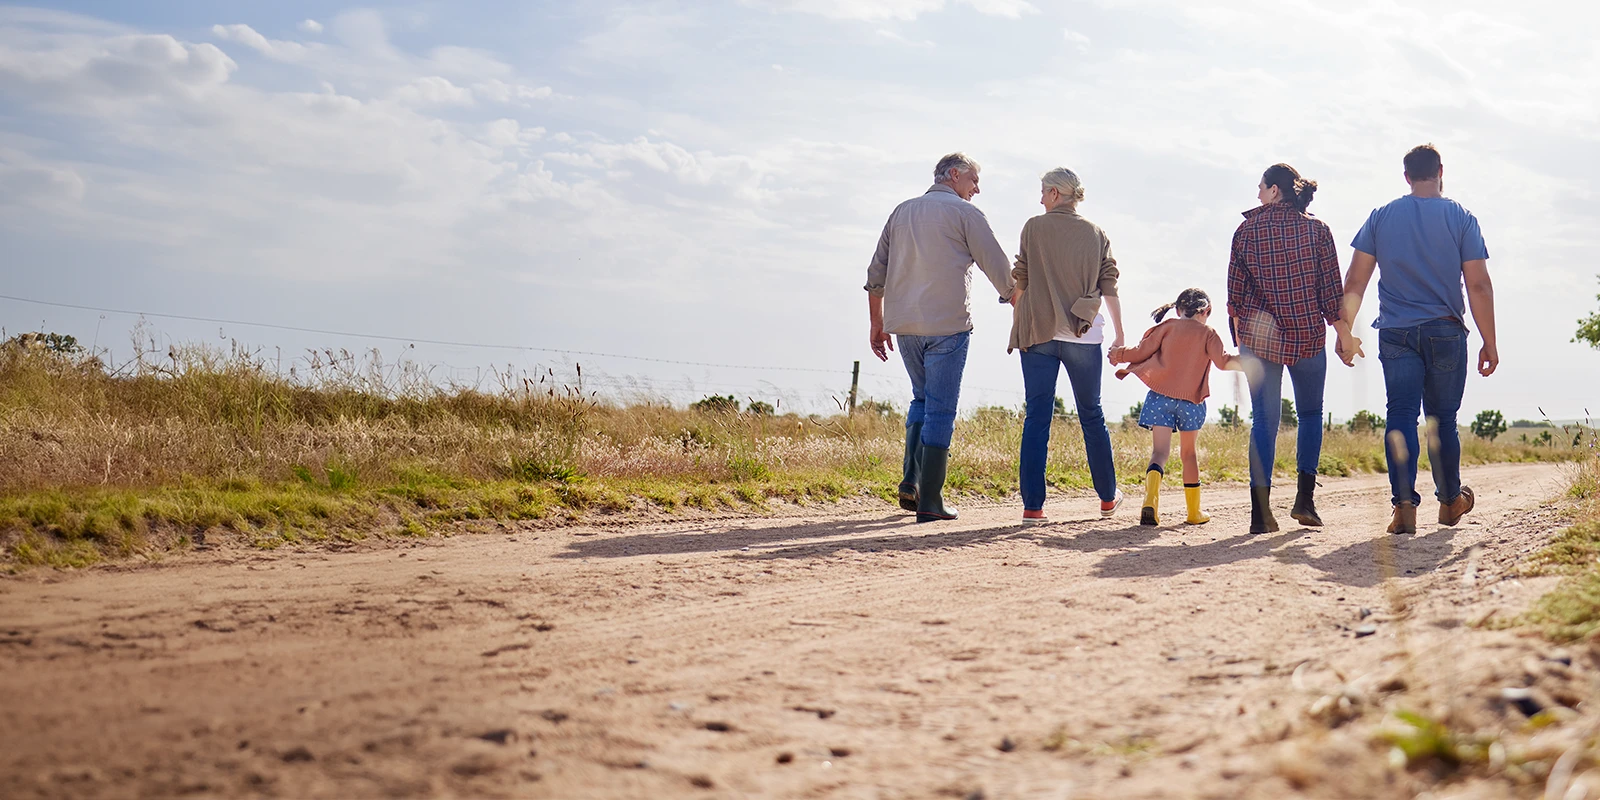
705,181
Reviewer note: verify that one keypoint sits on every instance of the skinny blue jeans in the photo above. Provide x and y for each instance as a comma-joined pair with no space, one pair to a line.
1309,376
934,364
1424,369
1041,365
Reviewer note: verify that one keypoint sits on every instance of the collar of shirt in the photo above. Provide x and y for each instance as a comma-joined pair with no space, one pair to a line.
1274,207
939,187
1063,209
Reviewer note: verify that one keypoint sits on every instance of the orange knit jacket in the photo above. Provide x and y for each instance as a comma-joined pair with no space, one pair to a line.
1174,358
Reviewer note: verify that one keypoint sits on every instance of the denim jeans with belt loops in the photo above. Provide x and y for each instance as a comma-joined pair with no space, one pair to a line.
1424,369
1041,365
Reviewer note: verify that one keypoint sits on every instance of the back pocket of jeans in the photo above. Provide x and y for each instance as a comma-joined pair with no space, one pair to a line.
1446,352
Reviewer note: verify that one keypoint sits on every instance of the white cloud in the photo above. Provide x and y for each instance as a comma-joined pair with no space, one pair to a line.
433,91
879,10
275,49
1076,39
498,91
120,69
310,26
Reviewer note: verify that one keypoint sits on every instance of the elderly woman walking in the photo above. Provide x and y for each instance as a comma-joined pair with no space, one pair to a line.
1284,291
1064,273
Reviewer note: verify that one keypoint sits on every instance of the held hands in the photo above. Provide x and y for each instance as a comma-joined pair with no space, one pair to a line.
1016,296
1348,347
882,345
1488,359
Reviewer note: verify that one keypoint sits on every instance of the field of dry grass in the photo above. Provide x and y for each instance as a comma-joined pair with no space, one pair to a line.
97,462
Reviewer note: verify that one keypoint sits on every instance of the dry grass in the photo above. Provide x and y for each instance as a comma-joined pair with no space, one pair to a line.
195,438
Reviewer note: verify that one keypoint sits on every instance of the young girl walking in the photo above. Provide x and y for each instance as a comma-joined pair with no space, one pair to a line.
1174,359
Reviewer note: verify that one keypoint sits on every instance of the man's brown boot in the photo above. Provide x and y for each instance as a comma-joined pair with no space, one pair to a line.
1405,518
1450,513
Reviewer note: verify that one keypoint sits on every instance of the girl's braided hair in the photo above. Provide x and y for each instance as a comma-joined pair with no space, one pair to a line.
1190,302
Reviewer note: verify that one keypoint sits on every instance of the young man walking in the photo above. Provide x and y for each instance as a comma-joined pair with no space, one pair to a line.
917,290
1425,246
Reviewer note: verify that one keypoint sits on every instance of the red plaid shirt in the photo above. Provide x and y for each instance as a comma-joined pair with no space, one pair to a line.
1284,287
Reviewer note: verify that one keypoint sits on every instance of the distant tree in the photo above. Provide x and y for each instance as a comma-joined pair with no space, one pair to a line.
1060,407
1488,424
716,404
1365,422
760,408
1528,423
1589,329
1134,411
58,343
1290,420
1228,417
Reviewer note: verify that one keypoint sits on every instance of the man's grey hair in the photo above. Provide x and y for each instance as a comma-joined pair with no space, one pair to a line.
954,161
1064,181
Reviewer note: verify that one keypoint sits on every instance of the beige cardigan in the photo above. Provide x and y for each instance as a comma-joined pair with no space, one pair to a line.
1064,267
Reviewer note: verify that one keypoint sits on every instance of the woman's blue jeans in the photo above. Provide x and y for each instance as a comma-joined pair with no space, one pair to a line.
1309,376
1041,364
934,364
1424,369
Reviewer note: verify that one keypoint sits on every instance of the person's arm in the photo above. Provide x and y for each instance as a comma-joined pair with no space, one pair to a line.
1114,311
1480,298
1220,356
987,252
1146,348
881,343
1108,290
1019,273
1236,281
1362,265
877,274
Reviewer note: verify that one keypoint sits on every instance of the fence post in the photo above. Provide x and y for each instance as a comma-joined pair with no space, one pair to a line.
855,380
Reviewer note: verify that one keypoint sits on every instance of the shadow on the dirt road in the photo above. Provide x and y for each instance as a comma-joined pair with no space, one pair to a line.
888,534
1361,564
727,536
1367,563
1172,559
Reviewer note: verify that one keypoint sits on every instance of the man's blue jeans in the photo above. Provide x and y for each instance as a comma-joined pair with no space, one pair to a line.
1041,364
1308,376
935,364
1424,368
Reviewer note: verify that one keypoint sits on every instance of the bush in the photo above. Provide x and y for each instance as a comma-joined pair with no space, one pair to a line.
1290,419
1589,329
1228,417
760,409
1366,422
1488,424
716,404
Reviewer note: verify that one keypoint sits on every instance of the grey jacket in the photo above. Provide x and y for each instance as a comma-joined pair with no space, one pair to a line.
922,266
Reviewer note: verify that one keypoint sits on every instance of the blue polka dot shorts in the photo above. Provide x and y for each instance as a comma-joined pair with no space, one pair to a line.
1170,412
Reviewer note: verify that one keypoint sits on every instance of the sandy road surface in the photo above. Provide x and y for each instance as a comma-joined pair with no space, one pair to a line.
830,655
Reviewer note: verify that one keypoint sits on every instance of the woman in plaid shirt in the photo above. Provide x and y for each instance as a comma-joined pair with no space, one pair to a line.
1284,290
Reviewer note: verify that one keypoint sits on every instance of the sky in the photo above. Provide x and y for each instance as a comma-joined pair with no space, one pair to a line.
705,182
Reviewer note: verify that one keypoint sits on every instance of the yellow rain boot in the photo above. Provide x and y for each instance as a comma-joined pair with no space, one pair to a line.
1191,494
1152,496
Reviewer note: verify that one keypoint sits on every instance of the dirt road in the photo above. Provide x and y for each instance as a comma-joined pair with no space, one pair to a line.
815,653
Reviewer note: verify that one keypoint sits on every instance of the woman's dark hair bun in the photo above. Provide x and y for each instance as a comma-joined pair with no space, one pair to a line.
1297,191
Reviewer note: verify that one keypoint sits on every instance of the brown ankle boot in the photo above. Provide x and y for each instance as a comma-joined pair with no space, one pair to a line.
1450,513
1405,518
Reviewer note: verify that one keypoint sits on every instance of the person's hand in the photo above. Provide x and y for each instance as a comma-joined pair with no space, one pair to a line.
1113,353
1348,347
1488,359
881,343
1118,341
1016,296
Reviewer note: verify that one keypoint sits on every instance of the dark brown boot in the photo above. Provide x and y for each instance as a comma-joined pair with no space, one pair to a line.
1305,507
1261,519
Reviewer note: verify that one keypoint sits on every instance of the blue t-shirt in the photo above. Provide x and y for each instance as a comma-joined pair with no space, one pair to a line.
1420,243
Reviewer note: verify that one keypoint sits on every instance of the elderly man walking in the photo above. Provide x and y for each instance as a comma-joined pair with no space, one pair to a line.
917,289
1425,247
